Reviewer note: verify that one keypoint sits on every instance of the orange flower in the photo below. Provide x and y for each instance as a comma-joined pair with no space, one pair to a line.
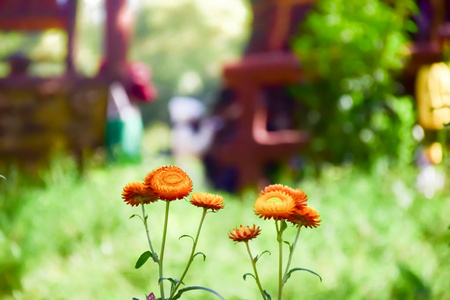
298,195
244,233
276,204
135,193
306,216
168,183
206,200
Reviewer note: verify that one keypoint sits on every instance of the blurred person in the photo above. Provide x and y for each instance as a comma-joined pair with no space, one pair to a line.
124,127
124,119
191,134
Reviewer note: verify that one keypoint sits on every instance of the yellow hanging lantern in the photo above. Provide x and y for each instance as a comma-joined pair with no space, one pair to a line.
433,96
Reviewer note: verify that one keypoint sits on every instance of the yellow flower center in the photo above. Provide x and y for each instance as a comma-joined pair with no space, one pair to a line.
172,178
274,200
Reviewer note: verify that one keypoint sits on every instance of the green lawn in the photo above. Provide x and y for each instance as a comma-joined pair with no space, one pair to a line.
72,238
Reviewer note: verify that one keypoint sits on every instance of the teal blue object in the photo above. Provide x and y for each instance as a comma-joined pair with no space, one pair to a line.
124,136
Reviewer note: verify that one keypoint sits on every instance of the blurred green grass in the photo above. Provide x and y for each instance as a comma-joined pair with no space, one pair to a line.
71,237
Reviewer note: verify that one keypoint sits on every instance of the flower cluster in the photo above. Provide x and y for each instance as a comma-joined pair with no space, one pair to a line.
277,202
168,183
280,202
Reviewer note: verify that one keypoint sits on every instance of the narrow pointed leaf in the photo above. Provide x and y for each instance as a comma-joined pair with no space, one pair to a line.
248,274
289,244
282,229
191,288
134,215
200,253
257,257
283,226
173,282
267,295
143,259
301,269
135,298
186,235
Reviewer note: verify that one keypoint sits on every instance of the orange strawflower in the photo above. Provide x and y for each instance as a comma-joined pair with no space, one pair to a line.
298,195
277,204
135,193
206,200
306,216
244,233
168,183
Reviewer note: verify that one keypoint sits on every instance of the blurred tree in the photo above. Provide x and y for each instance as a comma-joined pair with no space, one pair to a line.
352,52
185,43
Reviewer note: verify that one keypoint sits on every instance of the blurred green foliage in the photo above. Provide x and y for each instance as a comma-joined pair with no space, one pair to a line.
186,43
352,52
71,237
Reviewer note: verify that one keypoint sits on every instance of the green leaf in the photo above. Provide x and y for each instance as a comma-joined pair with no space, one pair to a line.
155,257
201,253
267,295
282,229
445,125
257,257
143,259
191,288
135,215
301,269
248,274
173,281
186,235
283,226
289,244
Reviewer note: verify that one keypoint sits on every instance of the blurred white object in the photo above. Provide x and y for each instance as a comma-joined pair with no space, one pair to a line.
191,133
119,105
185,109
429,181
402,194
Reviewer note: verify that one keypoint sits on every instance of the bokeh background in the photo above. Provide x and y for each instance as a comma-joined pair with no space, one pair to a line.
347,100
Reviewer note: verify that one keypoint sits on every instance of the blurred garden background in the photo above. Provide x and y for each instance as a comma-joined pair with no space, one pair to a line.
346,100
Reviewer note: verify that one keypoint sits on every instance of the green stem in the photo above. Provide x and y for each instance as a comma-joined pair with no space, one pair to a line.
290,255
146,229
280,258
191,257
254,270
163,244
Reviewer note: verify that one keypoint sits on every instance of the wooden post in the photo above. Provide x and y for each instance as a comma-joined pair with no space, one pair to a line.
118,33
71,43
